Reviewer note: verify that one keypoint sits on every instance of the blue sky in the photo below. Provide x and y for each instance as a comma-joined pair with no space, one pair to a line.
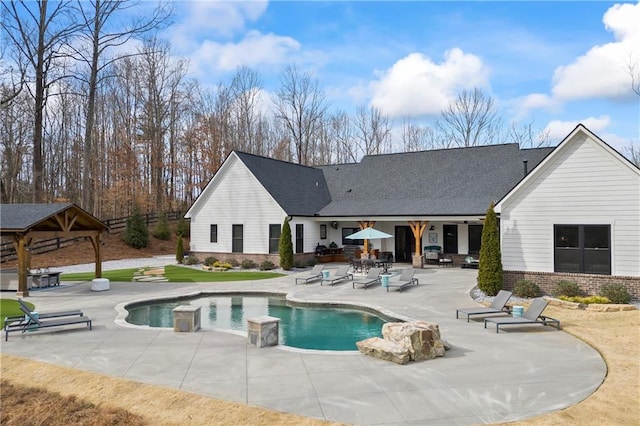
551,63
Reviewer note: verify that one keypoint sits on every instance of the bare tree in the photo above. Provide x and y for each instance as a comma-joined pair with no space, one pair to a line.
40,34
97,16
300,106
246,87
415,137
527,137
634,72
372,130
470,120
341,133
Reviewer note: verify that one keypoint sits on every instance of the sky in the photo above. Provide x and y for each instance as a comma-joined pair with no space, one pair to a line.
550,63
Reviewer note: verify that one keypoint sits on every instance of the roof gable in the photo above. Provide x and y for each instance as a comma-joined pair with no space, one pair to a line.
23,218
579,133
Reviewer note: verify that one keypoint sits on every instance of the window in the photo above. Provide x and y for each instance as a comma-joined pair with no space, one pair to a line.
299,238
323,232
213,234
582,248
236,238
274,238
475,238
346,241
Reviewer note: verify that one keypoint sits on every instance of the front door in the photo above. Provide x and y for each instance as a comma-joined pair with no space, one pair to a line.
405,244
450,240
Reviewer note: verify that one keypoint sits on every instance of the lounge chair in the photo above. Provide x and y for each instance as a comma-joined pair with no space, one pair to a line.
372,277
342,273
15,321
406,278
34,323
315,274
531,316
498,306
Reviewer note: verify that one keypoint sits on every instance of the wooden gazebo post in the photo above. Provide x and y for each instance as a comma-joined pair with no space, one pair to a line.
363,225
417,227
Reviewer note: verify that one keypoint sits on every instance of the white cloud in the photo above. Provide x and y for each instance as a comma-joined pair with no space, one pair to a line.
254,49
558,130
521,106
204,19
603,70
415,85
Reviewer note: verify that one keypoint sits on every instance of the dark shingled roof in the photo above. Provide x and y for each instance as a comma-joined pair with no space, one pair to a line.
23,217
300,190
458,181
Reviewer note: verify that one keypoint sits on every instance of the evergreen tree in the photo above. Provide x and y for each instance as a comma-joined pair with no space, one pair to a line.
136,234
490,268
180,250
162,231
285,247
182,230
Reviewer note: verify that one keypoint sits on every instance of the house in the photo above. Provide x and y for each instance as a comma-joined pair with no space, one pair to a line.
427,198
576,216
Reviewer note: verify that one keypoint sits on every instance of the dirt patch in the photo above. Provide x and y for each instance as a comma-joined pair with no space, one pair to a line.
113,249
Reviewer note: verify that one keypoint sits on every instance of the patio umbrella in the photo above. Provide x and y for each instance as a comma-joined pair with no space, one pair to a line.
368,234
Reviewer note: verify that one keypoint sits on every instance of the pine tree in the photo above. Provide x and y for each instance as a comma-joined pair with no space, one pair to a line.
490,268
136,234
285,247
162,231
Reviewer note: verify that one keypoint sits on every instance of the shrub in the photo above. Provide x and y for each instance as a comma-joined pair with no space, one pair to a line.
191,260
567,288
162,230
136,234
225,265
299,264
585,300
267,265
526,288
182,229
311,261
233,262
180,250
248,264
616,293
490,268
210,260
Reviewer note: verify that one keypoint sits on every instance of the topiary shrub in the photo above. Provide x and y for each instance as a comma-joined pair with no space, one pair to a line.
490,268
210,260
526,288
162,230
285,247
566,288
616,293
179,250
136,234
267,265
248,264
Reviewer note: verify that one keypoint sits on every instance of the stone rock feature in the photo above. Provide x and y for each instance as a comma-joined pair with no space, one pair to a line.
405,341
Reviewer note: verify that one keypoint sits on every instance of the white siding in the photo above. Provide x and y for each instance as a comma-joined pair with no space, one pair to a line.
236,197
583,183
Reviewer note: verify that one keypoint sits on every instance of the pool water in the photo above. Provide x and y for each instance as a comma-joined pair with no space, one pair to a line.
305,327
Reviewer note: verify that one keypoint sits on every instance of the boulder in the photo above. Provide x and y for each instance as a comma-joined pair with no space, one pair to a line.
384,349
420,338
405,341
598,307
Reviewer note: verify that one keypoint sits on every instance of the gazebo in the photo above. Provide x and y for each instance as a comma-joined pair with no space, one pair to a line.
24,223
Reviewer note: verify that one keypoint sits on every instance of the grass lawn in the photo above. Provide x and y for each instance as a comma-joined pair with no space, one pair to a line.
10,308
177,274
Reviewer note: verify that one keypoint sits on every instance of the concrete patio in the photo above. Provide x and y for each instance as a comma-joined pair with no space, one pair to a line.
486,377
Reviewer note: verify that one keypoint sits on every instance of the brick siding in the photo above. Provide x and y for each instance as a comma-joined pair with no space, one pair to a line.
589,283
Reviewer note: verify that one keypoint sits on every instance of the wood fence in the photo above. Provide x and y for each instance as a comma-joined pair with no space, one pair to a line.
115,226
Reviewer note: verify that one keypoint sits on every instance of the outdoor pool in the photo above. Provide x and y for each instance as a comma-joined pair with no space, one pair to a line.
305,327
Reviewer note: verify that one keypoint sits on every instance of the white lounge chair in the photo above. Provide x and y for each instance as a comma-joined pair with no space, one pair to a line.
373,276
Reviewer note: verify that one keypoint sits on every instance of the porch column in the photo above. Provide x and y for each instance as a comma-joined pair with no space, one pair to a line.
366,224
417,227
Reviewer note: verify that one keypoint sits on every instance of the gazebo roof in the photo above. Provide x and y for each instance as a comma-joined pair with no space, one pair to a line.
47,218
